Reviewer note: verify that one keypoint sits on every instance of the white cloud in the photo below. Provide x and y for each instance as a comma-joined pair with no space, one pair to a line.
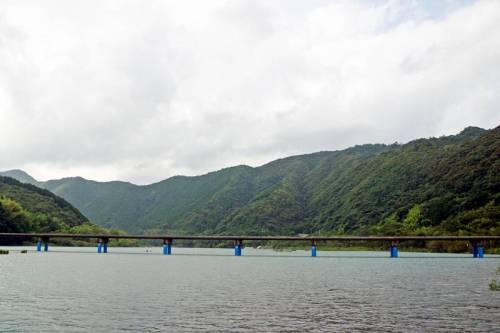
142,91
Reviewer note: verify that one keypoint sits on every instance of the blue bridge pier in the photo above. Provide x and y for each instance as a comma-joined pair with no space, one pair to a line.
477,250
394,249
167,246
102,245
238,245
45,241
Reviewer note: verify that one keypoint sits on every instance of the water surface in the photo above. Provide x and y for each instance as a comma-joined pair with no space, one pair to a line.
78,290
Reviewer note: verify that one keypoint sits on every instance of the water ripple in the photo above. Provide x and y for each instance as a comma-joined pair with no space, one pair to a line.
71,292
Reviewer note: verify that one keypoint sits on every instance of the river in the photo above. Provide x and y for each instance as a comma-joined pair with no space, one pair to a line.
141,290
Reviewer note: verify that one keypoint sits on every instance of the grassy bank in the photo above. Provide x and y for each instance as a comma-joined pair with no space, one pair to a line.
429,247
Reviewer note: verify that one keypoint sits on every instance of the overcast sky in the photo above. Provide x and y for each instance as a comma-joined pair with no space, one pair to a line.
144,90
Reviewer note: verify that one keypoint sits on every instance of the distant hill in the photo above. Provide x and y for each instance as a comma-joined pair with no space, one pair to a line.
438,185
20,175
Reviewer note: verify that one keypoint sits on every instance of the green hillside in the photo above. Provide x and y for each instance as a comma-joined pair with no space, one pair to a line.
438,185
28,208
40,203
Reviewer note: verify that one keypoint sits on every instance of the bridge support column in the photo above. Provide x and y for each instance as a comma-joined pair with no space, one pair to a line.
477,250
99,246
313,249
46,244
237,247
167,246
394,250
105,245
39,245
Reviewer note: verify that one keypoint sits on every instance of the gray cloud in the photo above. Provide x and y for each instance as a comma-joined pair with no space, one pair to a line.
140,92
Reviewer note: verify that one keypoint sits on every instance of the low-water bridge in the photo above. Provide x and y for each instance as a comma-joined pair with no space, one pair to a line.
477,242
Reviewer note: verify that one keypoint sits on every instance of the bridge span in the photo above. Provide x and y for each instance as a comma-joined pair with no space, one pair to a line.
477,242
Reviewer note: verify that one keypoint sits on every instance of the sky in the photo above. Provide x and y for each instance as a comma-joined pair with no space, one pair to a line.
144,90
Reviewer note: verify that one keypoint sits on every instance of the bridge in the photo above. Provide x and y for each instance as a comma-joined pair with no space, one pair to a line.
477,242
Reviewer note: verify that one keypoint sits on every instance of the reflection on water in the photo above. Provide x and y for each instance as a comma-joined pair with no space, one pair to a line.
211,290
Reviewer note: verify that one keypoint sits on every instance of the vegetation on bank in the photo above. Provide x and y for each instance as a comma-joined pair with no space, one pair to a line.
494,284
407,246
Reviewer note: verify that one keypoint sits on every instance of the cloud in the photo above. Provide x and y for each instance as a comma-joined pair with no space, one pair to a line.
140,92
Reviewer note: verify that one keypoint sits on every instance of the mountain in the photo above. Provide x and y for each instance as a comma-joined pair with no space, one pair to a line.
20,175
37,200
27,208
448,184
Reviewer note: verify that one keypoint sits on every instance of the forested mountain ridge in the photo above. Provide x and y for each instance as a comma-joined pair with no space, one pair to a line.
27,208
438,185
40,201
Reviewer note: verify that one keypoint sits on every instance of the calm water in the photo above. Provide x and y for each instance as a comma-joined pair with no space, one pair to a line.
265,291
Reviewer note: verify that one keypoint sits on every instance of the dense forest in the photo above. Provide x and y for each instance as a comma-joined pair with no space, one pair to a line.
27,208
446,185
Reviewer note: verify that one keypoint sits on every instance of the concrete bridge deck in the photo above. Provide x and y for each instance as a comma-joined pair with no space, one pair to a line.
103,239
